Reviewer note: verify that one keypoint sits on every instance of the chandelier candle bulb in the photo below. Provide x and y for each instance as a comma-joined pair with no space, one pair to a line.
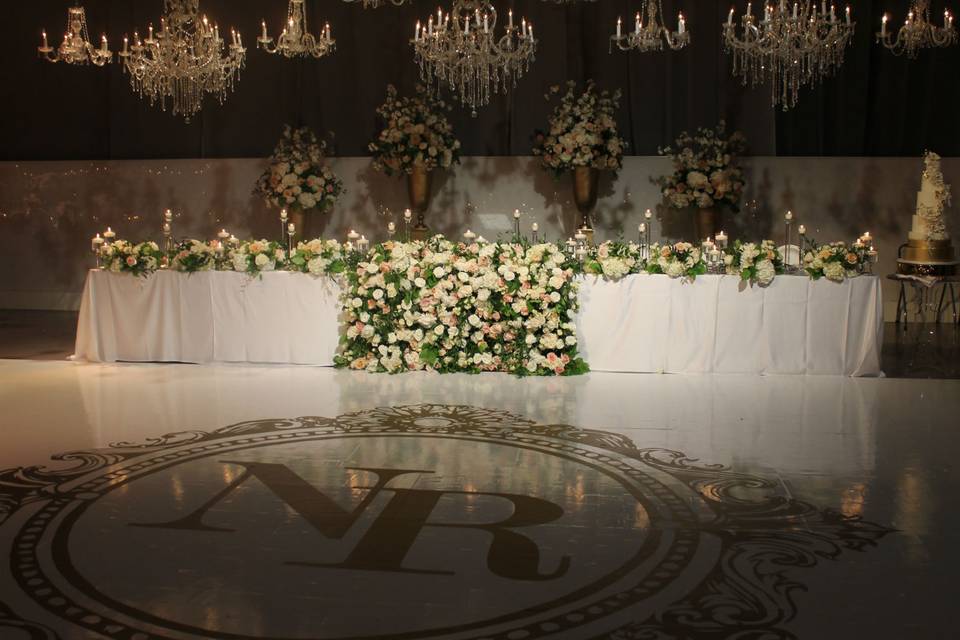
516,214
619,24
729,18
648,214
407,215
510,19
535,227
683,25
391,228
802,230
291,228
788,217
283,214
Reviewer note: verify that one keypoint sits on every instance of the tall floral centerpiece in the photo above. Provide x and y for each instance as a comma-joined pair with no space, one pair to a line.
416,139
298,178
706,176
582,139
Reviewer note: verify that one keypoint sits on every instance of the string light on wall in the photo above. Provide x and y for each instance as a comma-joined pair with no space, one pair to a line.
788,47
184,61
918,32
648,33
296,40
76,47
460,50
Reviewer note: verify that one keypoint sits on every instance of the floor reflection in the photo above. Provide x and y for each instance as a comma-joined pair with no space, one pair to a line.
423,520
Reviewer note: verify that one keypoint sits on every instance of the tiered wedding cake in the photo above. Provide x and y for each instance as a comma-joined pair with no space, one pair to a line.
928,250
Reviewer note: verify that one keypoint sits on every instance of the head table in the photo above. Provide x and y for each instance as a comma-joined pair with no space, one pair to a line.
642,323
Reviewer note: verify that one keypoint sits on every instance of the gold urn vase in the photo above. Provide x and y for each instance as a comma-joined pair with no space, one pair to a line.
585,194
706,223
419,183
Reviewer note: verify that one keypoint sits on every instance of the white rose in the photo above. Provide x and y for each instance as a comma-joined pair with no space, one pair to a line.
261,260
420,283
675,269
474,320
438,272
378,294
555,297
438,330
765,272
834,271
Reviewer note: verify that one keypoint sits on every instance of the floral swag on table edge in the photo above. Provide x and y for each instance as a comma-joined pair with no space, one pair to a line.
455,307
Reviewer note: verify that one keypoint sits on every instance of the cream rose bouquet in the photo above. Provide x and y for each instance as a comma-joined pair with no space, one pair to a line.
705,170
614,260
298,177
416,133
257,256
755,263
125,257
318,257
836,261
191,256
680,260
583,131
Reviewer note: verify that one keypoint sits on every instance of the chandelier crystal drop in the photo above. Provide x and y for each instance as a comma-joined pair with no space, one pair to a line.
788,47
918,32
649,33
296,39
76,47
460,50
184,61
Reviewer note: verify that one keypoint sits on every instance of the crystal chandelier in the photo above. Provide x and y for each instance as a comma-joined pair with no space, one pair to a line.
461,50
184,61
648,33
918,32
296,39
790,47
76,47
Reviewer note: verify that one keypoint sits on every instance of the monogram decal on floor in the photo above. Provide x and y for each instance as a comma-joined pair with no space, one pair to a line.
409,522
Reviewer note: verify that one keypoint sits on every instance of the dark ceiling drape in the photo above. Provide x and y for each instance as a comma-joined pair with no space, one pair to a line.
878,105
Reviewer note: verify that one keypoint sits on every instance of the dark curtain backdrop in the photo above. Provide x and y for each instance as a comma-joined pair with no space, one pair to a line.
878,104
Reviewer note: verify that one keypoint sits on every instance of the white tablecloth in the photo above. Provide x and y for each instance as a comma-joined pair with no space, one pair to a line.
208,317
718,324
640,324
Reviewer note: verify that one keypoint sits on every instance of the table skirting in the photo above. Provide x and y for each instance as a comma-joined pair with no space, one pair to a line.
639,324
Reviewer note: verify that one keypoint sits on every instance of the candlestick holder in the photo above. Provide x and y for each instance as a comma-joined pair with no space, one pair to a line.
290,242
788,249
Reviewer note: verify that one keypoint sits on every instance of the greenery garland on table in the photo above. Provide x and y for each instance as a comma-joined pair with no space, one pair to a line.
455,307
